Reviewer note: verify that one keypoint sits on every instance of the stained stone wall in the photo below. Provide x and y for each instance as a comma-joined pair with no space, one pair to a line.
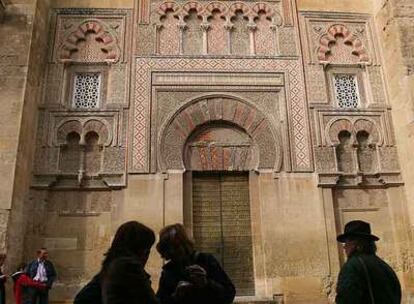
180,86
394,25
22,52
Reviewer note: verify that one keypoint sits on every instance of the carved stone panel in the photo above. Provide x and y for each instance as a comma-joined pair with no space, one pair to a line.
296,103
363,147
205,113
220,148
81,150
219,28
91,35
339,41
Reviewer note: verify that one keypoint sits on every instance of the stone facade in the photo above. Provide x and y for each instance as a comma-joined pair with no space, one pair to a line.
128,110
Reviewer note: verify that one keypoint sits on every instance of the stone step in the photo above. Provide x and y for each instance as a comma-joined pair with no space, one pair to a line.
254,300
258,302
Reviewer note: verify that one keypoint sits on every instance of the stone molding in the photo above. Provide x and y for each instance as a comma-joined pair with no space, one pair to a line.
296,103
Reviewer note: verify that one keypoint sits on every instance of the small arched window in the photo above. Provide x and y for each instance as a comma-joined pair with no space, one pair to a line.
344,152
93,153
365,152
70,156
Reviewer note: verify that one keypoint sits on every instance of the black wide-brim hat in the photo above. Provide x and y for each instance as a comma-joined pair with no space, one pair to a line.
357,229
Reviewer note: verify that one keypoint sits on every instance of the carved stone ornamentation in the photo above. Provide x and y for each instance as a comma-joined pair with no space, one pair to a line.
207,113
338,38
333,46
216,28
146,66
90,36
360,148
90,43
79,152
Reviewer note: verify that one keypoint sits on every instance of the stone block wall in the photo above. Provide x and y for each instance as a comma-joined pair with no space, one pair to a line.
22,56
395,26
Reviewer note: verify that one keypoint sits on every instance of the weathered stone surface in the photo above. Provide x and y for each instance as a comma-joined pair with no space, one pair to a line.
206,86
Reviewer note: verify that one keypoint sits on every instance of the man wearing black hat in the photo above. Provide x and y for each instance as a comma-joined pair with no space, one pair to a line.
365,278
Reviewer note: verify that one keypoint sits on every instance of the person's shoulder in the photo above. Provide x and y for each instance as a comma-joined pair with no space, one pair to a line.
352,263
31,263
126,264
206,258
169,266
205,255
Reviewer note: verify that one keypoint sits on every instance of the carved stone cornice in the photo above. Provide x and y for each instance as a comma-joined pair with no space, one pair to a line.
383,179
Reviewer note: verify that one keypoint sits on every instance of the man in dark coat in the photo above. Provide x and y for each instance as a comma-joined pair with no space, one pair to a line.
41,270
365,278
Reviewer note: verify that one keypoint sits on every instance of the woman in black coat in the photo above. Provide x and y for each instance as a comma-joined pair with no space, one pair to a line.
122,279
189,276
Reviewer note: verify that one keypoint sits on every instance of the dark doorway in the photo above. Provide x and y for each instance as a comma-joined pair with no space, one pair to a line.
222,224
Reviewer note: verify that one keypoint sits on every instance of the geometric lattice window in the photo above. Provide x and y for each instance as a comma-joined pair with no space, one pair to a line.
86,90
346,90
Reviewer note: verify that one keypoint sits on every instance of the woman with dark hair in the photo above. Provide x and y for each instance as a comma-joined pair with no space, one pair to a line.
190,277
122,279
365,278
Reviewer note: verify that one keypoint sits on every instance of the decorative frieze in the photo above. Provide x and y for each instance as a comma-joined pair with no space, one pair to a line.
220,28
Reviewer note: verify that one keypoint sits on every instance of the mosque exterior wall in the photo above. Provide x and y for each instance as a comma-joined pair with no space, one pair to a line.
122,103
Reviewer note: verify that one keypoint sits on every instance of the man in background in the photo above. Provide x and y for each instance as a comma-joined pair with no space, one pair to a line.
41,270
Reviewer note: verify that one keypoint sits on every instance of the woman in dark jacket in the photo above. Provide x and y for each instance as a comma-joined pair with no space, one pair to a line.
189,276
122,279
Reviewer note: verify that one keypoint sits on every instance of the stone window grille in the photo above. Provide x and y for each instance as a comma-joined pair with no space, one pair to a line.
86,90
346,90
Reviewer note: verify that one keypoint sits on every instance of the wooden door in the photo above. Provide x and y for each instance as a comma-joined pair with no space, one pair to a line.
222,224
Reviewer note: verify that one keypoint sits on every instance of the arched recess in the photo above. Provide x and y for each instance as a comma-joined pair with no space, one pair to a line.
218,110
91,42
328,40
220,147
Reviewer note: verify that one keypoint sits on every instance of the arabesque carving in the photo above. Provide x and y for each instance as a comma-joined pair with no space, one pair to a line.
330,38
90,42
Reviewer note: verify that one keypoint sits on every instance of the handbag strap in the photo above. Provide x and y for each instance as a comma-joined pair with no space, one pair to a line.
364,266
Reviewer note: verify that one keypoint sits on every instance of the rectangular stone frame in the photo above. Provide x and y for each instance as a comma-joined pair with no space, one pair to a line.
200,83
140,148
